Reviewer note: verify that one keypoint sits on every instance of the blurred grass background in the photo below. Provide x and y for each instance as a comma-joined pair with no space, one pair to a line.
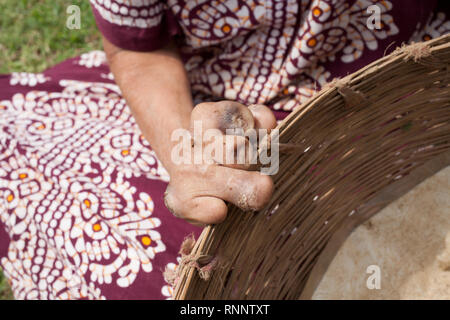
34,36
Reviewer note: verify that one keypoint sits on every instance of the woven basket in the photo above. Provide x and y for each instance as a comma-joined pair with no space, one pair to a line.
365,140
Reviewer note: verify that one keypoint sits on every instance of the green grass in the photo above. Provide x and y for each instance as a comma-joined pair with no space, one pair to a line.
34,36
5,291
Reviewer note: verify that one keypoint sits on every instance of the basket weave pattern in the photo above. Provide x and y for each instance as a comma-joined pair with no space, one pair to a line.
365,140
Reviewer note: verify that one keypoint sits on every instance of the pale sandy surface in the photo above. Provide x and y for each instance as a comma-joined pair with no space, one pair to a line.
409,241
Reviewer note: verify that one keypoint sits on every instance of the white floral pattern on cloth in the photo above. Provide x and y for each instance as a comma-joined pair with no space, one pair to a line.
255,67
27,79
269,51
92,59
74,220
80,188
108,76
331,27
305,86
433,28
167,290
134,13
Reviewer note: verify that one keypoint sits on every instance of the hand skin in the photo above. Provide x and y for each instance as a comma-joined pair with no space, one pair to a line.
156,87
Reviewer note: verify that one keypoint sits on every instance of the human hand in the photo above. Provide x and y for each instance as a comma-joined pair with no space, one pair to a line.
197,191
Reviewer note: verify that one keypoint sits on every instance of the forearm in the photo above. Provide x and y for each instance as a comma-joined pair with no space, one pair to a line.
156,88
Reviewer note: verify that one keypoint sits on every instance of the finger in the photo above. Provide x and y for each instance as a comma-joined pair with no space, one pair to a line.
248,190
233,151
222,115
199,211
206,211
199,196
239,152
263,116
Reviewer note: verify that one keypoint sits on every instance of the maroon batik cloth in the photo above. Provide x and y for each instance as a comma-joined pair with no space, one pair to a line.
81,190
